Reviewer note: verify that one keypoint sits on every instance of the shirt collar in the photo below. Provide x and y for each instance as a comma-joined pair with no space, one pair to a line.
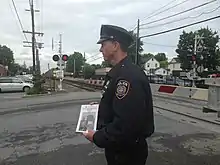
115,68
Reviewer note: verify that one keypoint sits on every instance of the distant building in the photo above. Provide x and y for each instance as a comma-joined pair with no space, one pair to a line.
150,65
3,70
161,72
174,65
102,71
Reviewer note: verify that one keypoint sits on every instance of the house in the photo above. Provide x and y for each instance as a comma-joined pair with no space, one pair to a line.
102,71
174,65
3,70
150,65
161,72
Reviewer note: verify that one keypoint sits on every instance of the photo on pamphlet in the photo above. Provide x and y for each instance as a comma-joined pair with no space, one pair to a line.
87,118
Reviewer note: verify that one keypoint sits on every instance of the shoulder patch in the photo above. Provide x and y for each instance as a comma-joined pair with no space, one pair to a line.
122,89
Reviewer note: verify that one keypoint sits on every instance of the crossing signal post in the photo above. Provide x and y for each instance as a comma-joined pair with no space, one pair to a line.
60,59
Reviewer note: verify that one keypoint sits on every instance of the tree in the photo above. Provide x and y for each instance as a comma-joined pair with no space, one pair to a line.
75,62
105,64
96,66
164,64
6,56
15,69
89,71
132,49
24,65
207,50
161,57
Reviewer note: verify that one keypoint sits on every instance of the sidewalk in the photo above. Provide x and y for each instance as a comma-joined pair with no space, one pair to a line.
188,111
47,101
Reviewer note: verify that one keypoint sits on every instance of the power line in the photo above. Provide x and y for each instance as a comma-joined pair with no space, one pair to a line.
177,20
181,27
19,20
159,44
93,56
150,15
161,19
167,9
95,59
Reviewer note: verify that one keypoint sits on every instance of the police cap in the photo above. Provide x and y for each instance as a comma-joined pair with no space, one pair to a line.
115,33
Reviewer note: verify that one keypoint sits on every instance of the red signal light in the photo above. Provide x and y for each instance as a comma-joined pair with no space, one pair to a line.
64,57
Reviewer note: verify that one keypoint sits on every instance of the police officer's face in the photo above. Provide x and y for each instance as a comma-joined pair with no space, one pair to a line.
108,49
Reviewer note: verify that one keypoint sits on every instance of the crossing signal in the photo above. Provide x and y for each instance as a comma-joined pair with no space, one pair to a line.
56,57
64,57
193,58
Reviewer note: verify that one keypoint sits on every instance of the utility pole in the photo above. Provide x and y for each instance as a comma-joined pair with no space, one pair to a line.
60,54
33,33
35,45
74,66
84,65
194,62
197,41
137,43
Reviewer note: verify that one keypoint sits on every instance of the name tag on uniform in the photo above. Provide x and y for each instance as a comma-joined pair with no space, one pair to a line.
105,88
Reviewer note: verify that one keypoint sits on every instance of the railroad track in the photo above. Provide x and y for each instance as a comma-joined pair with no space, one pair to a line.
175,101
82,85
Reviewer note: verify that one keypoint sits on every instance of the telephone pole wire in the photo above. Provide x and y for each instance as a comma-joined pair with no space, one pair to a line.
137,43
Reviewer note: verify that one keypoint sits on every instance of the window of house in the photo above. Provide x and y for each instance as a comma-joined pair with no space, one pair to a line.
156,65
148,65
152,59
173,65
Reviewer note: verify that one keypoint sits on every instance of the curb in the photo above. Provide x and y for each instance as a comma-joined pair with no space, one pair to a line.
190,116
49,105
46,94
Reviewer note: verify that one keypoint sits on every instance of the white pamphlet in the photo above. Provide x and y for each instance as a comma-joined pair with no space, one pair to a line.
87,118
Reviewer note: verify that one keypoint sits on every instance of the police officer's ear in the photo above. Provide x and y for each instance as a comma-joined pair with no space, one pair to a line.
116,45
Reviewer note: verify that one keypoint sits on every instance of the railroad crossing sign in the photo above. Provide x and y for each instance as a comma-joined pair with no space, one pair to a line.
200,69
190,75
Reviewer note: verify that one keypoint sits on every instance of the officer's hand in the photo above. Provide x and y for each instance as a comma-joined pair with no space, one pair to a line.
89,135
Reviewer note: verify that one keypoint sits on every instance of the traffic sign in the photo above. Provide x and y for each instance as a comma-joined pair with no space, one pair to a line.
190,75
200,69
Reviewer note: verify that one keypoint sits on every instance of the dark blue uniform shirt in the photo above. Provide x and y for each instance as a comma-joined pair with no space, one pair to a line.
126,107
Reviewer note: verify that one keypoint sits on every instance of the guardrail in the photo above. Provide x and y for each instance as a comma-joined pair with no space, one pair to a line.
185,92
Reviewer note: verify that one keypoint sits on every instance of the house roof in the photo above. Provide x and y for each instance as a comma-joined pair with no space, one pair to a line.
177,60
147,59
161,68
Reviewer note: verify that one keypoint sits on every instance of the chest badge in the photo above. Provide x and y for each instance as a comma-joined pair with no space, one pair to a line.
122,89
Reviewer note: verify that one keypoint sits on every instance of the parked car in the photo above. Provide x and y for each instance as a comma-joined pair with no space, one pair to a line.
12,84
25,78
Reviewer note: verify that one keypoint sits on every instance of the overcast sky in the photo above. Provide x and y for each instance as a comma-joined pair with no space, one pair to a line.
79,21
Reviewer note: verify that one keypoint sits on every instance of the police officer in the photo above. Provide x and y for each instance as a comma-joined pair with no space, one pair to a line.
125,116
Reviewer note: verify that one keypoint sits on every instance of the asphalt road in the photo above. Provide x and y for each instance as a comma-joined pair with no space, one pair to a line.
11,95
48,138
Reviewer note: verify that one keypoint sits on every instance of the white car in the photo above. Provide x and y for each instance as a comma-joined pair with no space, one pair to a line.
12,84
